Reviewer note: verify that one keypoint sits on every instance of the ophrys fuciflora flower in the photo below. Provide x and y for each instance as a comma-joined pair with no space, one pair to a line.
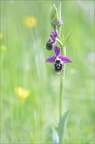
58,60
51,42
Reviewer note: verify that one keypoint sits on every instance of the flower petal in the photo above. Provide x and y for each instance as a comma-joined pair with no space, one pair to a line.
55,33
65,59
57,50
54,36
60,22
51,59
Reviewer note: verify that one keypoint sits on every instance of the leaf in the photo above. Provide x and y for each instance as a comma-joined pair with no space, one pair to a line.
62,127
55,136
53,16
66,38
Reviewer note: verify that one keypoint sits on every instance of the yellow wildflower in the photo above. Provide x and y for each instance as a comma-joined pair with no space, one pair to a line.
22,93
3,48
30,21
1,35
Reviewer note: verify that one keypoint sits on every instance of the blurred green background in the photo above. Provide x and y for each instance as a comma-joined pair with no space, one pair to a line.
22,63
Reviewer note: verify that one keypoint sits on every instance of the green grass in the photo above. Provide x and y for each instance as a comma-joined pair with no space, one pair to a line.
23,64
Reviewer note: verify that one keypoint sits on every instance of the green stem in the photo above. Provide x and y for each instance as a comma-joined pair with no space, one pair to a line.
59,41
61,87
61,80
61,97
61,94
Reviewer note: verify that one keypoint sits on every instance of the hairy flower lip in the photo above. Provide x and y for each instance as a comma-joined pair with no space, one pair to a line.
49,45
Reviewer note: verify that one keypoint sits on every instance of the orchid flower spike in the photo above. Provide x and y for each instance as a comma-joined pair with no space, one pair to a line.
58,60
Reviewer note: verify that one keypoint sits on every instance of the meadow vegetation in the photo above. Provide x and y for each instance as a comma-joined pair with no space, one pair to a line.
30,87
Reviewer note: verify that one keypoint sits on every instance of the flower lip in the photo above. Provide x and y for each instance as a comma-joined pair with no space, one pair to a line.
49,45
58,66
